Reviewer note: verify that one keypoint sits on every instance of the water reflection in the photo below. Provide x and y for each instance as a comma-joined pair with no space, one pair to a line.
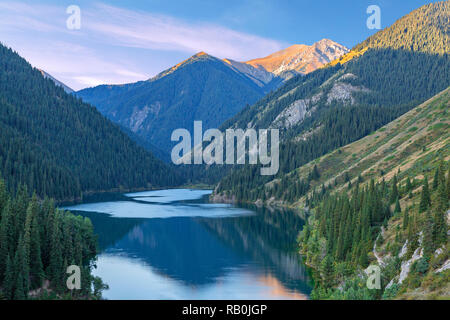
234,256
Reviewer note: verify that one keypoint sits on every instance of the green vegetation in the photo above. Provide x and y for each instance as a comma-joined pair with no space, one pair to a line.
423,30
202,88
339,238
61,147
336,125
37,244
388,81
406,196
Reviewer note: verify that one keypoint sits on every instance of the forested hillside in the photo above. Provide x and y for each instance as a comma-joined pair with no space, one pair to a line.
423,30
340,104
59,146
201,88
37,244
383,200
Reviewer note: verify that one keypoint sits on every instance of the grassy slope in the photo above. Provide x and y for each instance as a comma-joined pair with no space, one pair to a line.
398,145
413,144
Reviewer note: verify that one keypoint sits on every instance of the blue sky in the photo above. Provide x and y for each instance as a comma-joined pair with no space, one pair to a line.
127,41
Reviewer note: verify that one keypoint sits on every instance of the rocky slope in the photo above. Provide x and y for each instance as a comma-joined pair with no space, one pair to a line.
301,58
409,152
201,88
349,99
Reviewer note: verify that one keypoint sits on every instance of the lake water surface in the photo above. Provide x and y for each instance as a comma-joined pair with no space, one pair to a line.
173,244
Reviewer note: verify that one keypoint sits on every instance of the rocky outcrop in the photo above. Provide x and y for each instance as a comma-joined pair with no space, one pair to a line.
444,267
222,198
406,265
343,92
296,112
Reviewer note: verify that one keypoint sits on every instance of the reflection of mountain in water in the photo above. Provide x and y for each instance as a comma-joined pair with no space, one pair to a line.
180,248
109,230
268,239
197,251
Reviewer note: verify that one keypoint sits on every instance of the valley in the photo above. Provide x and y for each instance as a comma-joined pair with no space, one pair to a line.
164,188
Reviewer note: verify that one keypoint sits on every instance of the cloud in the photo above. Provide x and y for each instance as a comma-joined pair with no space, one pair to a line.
116,45
159,32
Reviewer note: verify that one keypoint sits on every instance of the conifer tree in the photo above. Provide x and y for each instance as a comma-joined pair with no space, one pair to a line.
394,191
428,247
21,272
3,196
327,271
56,258
398,209
36,267
405,218
409,186
8,283
425,200
436,179
440,221
413,239
6,237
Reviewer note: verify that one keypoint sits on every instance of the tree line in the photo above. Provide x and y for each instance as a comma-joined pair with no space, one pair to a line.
38,243
341,233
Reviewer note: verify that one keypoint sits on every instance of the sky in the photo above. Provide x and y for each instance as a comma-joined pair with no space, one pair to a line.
127,41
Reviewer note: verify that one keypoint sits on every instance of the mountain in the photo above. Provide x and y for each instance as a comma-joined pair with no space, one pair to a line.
201,88
57,82
383,200
61,147
343,102
301,59
423,30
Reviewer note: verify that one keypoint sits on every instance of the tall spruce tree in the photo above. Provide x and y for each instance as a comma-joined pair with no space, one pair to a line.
440,221
428,243
406,218
394,191
425,200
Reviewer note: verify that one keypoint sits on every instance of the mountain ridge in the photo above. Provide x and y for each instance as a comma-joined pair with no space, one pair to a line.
392,167
59,146
217,89
338,104
301,58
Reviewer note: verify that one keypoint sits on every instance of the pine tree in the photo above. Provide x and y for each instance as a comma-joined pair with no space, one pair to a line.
36,267
21,278
413,239
436,179
409,186
56,258
394,191
425,200
27,246
8,284
315,173
3,196
405,218
327,271
440,221
6,237
398,209
428,247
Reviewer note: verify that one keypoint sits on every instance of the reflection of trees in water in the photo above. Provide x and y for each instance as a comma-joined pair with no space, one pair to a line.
268,238
109,230
197,251
180,248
